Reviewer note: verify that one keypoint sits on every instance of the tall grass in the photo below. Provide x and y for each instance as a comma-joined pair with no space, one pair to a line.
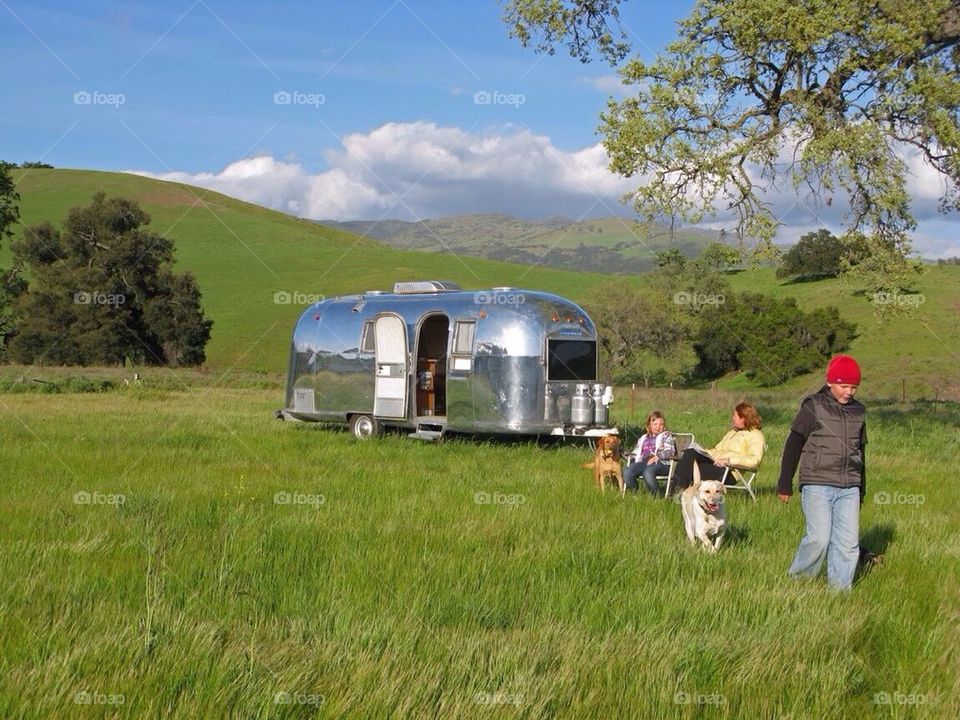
221,563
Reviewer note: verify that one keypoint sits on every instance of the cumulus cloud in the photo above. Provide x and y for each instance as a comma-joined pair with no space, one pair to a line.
421,170
418,170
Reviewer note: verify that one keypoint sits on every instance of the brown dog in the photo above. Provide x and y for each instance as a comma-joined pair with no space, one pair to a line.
606,462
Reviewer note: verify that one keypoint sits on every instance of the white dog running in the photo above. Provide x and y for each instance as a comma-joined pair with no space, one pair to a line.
704,518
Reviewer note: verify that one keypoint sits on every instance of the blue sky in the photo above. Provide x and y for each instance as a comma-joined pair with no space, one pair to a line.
330,110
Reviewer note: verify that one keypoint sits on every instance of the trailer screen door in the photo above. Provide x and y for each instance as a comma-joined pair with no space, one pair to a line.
571,360
390,399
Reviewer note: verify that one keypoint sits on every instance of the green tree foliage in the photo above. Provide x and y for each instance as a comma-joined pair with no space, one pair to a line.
719,256
103,291
824,94
9,201
11,284
816,255
638,331
585,25
690,285
769,339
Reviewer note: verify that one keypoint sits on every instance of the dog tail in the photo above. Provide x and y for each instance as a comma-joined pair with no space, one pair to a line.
587,465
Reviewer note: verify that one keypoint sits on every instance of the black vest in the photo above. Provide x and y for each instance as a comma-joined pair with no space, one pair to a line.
833,454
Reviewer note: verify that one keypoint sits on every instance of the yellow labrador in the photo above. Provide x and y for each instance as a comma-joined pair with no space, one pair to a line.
704,518
606,463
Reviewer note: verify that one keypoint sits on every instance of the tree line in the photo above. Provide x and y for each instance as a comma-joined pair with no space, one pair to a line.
687,324
100,290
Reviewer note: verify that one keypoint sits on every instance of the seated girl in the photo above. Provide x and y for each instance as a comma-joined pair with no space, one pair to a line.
652,455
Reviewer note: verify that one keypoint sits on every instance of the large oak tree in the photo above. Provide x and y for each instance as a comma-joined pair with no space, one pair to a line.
828,97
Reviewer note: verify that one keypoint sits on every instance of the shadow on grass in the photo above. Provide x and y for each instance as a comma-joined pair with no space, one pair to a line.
874,544
736,535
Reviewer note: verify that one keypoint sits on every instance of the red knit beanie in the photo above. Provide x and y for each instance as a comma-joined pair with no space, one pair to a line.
843,370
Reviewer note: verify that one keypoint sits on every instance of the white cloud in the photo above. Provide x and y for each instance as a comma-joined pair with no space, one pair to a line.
609,84
416,170
421,170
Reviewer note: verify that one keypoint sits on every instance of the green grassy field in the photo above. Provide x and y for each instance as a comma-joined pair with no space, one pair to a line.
174,551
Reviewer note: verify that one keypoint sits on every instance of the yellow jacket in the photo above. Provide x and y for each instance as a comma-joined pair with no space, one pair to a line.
744,448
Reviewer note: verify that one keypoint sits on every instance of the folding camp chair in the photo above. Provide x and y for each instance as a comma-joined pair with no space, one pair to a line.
743,476
683,441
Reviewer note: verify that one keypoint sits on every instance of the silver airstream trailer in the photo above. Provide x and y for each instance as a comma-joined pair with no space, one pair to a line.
433,358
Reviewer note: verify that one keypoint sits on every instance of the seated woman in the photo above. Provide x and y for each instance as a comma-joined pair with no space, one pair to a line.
742,446
652,455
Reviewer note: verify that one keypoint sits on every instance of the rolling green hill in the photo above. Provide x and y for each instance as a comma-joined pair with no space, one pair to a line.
608,245
243,255
914,354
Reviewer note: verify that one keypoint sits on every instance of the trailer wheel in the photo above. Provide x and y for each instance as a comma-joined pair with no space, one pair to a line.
364,427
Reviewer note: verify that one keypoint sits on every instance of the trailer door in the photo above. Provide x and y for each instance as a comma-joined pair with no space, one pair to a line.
390,399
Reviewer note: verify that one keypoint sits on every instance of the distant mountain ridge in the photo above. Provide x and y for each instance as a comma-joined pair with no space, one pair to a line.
612,245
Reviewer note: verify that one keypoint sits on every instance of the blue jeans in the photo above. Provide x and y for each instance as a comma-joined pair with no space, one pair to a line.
649,473
832,532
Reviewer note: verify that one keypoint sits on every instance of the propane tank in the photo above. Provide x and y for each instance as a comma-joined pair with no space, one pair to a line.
581,407
599,409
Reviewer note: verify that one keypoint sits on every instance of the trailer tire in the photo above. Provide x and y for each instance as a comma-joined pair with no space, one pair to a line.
364,427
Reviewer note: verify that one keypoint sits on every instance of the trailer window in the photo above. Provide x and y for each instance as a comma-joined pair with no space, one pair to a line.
368,342
571,360
463,337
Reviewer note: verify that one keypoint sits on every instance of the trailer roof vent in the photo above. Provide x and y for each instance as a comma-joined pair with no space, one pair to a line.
424,286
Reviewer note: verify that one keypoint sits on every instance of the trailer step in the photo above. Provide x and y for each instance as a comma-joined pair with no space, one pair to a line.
423,434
